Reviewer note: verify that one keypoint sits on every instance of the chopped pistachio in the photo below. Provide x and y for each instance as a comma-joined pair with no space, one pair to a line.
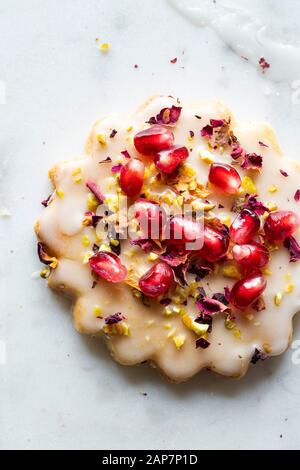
101,139
87,256
248,185
45,273
60,193
237,333
105,247
172,333
76,172
114,242
97,311
92,202
167,326
288,276
150,322
271,206
85,240
231,271
289,288
129,128
226,221
267,348
153,256
266,271
272,189
104,47
229,324
188,170
198,328
179,341
278,299
206,156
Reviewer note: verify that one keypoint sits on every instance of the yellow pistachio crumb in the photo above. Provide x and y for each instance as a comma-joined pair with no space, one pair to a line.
206,156
289,288
198,328
147,173
179,341
97,311
92,202
76,172
229,324
45,273
278,299
193,185
98,238
266,271
85,240
147,338
267,348
87,256
136,293
60,193
150,322
167,326
248,185
114,242
237,333
168,198
153,256
288,276
172,333
105,247
101,139
271,206
104,47
231,271
272,189
226,221
152,167
188,170
129,128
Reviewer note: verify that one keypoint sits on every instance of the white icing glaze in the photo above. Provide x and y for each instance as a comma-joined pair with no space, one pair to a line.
61,230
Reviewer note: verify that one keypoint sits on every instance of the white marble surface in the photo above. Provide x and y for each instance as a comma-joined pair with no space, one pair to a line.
61,390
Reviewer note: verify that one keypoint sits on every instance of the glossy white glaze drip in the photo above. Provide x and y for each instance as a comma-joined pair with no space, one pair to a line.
60,229
237,24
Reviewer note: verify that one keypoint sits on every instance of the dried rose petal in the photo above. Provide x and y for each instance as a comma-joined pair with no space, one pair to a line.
252,161
207,131
106,160
43,255
254,205
293,246
173,61
117,168
46,202
174,258
258,356
284,173
210,306
217,123
297,195
167,116
202,343
262,144
200,270
204,319
125,153
94,188
113,133
237,152
113,319
263,63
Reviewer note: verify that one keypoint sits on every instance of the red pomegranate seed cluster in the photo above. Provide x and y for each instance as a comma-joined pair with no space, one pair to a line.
245,243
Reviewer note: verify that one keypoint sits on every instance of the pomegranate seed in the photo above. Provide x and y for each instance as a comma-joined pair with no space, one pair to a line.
244,226
215,245
153,140
251,255
108,266
151,217
168,160
157,280
247,290
224,177
184,230
281,224
132,177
